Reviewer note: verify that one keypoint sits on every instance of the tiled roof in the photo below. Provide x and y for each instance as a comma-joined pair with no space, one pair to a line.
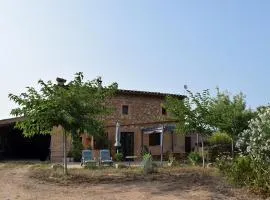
146,93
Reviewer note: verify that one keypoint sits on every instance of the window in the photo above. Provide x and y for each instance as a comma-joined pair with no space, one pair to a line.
163,111
154,139
125,110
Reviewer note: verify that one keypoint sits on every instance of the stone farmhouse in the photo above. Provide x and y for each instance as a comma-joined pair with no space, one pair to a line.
135,111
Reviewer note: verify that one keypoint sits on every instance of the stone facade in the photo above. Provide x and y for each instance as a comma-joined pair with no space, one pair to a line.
144,110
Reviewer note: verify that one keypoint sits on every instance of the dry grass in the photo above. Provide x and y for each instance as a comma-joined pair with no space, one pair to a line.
40,181
109,175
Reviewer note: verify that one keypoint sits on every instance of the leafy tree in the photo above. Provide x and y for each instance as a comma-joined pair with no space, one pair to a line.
204,114
192,113
229,114
78,107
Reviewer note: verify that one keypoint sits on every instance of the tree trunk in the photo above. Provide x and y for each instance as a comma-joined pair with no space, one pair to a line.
203,159
65,152
197,148
232,148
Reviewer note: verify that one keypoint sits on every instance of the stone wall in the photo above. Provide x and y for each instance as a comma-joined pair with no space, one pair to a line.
144,111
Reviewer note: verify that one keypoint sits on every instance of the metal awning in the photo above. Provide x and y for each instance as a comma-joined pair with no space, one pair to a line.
159,129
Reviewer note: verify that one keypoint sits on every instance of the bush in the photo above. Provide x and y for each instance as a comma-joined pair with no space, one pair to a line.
148,165
194,158
118,157
220,145
220,138
241,172
246,171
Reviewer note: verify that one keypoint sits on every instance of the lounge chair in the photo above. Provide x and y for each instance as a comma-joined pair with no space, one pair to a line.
105,157
87,157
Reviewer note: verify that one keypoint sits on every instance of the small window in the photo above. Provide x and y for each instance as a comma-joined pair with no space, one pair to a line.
125,110
154,139
163,111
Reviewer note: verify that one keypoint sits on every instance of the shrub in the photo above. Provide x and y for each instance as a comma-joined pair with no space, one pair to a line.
246,171
148,166
194,158
253,167
241,172
220,138
220,144
118,157
144,150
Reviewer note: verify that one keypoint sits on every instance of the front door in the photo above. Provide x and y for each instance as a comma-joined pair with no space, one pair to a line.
127,144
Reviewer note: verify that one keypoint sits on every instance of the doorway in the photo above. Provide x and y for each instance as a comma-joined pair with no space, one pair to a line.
187,144
127,144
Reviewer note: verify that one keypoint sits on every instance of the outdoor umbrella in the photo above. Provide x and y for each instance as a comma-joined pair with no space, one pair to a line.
117,136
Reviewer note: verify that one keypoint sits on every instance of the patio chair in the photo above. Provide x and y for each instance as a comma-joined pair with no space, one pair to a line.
105,157
87,157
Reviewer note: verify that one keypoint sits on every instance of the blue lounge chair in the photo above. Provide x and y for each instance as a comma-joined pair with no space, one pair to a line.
87,157
105,157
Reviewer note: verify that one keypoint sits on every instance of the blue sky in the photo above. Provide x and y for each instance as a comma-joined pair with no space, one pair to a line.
152,45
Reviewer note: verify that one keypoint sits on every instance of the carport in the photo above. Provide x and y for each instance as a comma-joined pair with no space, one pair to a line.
14,146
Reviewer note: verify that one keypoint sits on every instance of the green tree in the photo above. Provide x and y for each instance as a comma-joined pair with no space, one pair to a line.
78,107
204,114
229,114
192,114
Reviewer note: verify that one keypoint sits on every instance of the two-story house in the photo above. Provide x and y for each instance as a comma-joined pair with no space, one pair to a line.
136,111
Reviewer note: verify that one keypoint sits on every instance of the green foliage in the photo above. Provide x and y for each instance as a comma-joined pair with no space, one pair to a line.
77,147
148,166
77,106
147,156
220,144
192,113
255,141
205,114
229,113
194,158
172,162
246,171
144,150
253,168
119,157
220,138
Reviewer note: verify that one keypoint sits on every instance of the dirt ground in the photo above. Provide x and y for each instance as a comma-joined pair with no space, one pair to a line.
15,183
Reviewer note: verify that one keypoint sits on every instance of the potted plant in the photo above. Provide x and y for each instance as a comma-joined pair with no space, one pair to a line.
118,157
69,156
